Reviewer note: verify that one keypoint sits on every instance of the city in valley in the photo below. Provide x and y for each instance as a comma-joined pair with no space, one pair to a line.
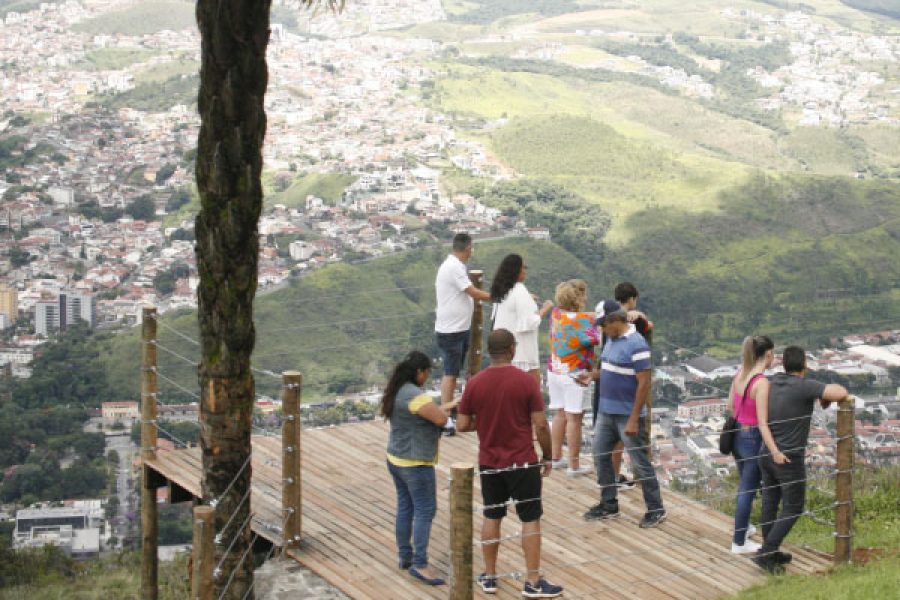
371,151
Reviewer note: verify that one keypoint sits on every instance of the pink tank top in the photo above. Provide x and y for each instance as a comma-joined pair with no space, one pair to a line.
745,412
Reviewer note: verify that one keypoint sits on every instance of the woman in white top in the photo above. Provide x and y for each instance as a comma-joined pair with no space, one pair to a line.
516,311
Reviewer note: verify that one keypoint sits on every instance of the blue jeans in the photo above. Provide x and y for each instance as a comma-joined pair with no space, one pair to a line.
746,454
453,348
416,507
608,430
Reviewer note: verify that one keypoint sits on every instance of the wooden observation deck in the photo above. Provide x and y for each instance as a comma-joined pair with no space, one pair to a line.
348,526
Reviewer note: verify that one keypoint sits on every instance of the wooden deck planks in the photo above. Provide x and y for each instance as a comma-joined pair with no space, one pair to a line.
348,526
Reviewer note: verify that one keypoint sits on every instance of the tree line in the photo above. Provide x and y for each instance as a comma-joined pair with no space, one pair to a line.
42,419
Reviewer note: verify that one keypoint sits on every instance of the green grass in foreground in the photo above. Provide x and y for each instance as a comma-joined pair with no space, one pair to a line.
876,580
116,577
876,524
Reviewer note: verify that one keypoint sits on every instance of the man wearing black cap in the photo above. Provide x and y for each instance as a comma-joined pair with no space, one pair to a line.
623,384
504,404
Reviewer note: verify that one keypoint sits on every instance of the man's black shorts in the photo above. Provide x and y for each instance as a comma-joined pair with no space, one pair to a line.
519,484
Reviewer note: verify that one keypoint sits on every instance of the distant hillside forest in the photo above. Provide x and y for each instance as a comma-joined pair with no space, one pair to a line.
888,8
800,258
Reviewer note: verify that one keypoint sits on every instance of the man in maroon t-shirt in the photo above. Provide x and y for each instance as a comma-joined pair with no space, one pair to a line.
504,405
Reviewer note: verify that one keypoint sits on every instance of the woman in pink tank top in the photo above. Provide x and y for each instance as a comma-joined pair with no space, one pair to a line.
749,385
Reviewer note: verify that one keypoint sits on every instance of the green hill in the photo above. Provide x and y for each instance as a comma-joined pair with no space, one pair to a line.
622,175
141,18
342,326
328,186
158,96
800,258
888,8
113,58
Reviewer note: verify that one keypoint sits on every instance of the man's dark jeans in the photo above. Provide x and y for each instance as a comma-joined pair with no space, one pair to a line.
609,430
785,484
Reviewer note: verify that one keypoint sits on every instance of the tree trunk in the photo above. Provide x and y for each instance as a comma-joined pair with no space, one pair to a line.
233,78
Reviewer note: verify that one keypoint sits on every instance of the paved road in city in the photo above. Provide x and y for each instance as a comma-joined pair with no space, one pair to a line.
126,449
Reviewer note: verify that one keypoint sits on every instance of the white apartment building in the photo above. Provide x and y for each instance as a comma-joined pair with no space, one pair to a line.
68,308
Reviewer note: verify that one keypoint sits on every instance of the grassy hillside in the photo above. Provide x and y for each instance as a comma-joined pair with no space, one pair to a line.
114,58
799,258
578,147
342,326
481,12
158,96
116,577
161,73
142,18
636,111
621,175
699,17
888,8
328,186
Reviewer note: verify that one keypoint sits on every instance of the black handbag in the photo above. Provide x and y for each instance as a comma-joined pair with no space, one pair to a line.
726,437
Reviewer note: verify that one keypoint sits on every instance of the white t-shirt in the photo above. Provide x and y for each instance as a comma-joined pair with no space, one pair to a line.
454,305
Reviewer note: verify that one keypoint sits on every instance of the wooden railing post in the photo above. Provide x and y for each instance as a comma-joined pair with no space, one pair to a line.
149,517
148,384
477,341
843,516
291,485
203,553
462,584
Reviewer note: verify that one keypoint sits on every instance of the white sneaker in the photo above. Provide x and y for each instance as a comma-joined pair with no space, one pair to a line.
748,548
560,464
578,471
751,529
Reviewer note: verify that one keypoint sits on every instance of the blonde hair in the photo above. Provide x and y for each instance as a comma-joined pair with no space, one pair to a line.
568,297
581,286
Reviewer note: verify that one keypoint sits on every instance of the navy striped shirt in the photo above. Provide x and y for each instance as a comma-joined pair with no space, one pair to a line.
622,358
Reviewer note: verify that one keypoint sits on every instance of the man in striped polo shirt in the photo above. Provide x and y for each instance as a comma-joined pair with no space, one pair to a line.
623,382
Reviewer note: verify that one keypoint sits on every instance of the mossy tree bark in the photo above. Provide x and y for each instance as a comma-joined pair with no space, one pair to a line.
233,79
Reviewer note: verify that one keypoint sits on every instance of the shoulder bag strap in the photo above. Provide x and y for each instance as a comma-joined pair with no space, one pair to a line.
747,390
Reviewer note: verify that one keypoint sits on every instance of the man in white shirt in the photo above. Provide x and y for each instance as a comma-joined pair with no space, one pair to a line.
455,301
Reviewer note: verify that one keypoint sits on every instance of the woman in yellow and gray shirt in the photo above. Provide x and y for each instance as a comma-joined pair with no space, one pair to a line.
416,423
